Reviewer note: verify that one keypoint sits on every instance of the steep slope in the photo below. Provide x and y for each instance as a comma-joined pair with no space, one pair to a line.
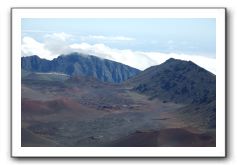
35,64
76,64
177,81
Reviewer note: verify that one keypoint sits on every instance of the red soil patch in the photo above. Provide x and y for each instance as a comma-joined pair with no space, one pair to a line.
52,106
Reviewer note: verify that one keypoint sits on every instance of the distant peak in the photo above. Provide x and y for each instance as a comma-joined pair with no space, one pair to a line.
173,60
70,54
178,61
78,55
32,56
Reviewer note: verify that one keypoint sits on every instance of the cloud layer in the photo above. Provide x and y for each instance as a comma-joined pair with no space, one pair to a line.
106,38
61,43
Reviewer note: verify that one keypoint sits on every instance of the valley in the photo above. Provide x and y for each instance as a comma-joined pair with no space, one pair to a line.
64,110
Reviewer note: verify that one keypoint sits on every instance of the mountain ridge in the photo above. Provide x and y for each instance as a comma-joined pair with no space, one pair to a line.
75,64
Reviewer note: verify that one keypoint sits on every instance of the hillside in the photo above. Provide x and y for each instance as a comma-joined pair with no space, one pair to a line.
176,81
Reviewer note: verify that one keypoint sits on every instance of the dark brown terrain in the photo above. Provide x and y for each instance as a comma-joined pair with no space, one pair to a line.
62,110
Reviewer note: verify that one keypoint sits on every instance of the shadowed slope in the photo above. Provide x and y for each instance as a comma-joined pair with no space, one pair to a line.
173,137
176,81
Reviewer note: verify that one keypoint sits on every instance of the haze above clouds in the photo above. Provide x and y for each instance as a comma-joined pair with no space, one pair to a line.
137,42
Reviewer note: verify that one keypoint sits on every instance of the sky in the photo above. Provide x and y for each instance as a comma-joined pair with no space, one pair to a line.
136,42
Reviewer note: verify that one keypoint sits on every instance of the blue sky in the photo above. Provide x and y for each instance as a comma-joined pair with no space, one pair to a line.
195,36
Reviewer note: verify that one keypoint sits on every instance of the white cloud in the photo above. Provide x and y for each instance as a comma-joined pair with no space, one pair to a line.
58,36
57,44
135,59
53,45
31,47
139,59
106,38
